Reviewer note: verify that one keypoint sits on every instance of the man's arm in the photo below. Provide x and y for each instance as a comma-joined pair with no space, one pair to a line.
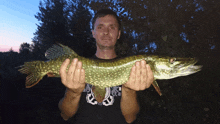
129,104
141,77
69,104
74,81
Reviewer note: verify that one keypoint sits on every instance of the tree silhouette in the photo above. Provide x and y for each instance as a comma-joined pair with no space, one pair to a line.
53,24
79,28
25,48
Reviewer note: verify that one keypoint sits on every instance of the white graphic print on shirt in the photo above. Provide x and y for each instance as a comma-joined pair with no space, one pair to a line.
109,95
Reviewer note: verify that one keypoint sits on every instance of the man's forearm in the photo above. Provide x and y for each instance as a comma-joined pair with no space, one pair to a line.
69,104
129,104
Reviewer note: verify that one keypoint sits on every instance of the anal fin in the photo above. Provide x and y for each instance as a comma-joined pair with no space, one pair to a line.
99,93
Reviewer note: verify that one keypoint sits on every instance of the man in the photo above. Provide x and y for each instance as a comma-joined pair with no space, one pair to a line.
120,103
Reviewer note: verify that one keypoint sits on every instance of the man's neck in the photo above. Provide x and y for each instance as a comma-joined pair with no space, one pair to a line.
106,54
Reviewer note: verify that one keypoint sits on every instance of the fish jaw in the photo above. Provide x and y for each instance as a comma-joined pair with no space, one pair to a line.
164,69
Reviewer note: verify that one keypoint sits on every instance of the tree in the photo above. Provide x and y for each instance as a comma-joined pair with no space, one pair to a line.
24,48
11,50
79,28
53,26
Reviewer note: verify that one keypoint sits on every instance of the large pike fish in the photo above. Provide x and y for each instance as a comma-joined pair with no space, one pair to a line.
107,73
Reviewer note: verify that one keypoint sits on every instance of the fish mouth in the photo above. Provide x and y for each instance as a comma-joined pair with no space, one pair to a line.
187,61
187,67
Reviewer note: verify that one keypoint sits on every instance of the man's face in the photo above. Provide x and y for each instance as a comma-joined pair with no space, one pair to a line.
106,31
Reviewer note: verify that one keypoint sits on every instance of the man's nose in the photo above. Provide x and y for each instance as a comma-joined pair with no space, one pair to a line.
106,31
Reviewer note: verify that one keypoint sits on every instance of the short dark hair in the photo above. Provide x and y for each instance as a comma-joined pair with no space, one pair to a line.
104,12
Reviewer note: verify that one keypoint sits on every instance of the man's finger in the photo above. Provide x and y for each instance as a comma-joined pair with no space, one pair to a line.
132,75
150,76
143,72
82,76
72,68
63,69
138,72
77,72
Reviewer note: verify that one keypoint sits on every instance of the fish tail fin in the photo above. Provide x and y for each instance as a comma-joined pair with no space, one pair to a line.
157,88
32,70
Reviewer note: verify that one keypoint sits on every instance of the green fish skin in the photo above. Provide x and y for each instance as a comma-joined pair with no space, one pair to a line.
107,73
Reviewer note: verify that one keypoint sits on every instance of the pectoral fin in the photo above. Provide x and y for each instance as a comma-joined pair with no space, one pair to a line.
157,88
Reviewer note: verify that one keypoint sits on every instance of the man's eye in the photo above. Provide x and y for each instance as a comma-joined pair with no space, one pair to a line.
99,27
112,27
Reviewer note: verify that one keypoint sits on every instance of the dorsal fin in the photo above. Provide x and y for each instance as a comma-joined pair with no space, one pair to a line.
58,50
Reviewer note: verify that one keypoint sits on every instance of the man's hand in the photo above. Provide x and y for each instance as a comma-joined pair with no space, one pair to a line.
74,78
141,77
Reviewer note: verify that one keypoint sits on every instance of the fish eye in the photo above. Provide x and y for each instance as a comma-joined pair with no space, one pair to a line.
172,60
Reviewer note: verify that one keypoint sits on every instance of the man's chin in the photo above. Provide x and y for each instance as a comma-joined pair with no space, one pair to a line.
105,47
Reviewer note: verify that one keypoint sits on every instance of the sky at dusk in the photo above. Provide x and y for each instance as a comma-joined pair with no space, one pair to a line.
17,23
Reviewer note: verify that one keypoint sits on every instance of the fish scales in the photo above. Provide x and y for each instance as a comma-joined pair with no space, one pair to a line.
101,73
107,74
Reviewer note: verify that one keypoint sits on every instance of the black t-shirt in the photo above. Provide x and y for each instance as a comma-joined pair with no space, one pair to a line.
92,112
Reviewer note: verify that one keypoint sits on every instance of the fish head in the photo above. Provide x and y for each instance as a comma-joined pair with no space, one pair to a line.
168,68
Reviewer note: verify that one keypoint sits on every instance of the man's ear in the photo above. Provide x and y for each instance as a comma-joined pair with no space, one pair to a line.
93,33
119,34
